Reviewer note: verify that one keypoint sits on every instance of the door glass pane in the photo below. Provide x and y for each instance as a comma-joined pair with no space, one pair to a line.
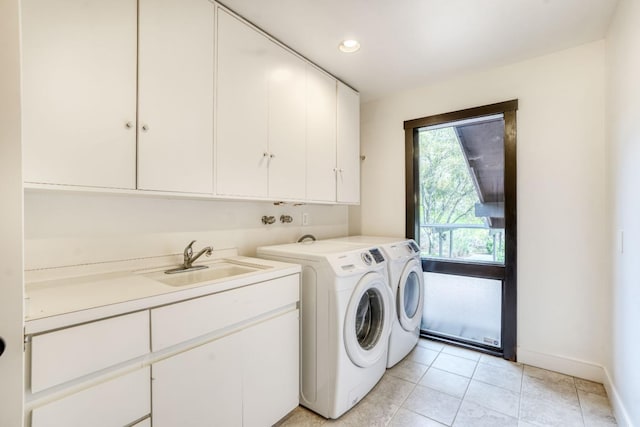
461,190
463,307
411,295
369,319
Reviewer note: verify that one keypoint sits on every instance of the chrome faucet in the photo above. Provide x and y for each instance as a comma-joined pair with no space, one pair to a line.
189,259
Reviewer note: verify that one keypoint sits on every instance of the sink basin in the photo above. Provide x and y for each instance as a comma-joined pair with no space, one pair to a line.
216,271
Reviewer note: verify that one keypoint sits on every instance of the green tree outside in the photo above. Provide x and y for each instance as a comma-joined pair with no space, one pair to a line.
448,196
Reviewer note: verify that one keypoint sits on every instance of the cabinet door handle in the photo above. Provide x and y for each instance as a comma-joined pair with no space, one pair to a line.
265,154
145,128
128,125
271,156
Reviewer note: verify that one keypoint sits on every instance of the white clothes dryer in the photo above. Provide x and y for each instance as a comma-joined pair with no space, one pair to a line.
346,314
407,285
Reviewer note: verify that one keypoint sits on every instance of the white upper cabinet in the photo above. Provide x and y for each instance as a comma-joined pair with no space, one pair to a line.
321,136
348,145
79,92
260,99
241,109
81,87
156,95
287,115
175,91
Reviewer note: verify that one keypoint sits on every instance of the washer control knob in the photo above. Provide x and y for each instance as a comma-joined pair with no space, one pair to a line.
366,257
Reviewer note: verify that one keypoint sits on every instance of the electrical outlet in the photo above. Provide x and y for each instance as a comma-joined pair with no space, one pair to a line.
305,218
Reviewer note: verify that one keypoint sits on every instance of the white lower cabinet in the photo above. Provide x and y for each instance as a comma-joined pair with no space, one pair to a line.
270,374
117,402
200,387
224,359
67,354
248,378
240,363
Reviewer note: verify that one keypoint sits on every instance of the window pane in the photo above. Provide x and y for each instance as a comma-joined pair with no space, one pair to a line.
463,307
461,190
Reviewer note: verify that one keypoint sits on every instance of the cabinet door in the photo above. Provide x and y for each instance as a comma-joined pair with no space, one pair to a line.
321,136
271,373
241,109
116,402
287,124
175,91
200,387
348,145
91,347
79,92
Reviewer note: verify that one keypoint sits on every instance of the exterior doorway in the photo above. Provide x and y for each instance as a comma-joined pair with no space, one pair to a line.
461,209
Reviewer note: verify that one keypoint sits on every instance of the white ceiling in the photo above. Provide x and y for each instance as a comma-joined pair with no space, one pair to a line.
409,43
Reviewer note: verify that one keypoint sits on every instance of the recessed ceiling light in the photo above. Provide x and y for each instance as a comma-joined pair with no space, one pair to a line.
349,46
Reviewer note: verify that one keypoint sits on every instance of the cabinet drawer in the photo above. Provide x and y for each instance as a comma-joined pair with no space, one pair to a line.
117,402
213,312
63,355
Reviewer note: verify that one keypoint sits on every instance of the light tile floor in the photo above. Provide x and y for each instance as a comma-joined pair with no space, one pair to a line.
438,385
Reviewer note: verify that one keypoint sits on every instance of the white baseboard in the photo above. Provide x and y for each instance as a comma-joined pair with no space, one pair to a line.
622,416
564,365
581,369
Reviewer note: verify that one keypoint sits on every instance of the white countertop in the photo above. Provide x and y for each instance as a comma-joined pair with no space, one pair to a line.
53,303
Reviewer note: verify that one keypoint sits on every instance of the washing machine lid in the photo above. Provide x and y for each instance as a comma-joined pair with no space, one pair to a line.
410,296
343,258
367,322
316,249
395,248
369,240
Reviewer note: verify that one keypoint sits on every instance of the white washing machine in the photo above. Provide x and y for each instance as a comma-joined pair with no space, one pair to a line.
346,313
407,285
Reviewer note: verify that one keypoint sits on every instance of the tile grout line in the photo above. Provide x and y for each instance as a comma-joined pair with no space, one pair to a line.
465,392
521,393
412,390
584,422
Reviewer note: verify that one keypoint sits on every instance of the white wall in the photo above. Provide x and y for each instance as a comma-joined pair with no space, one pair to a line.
11,317
623,118
562,237
63,229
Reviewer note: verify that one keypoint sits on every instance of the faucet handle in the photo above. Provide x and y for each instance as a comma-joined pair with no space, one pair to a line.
188,251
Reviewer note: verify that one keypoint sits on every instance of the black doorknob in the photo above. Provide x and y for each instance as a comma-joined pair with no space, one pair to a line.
2,346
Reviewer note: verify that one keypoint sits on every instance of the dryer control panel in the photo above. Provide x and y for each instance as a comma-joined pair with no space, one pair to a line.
377,255
357,261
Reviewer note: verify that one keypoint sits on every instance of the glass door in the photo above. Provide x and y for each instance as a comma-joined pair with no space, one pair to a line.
463,217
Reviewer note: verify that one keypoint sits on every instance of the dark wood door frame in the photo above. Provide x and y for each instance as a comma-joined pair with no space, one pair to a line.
509,271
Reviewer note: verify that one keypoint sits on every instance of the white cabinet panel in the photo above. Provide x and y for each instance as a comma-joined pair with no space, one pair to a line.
287,124
241,109
348,144
321,136
63,355
117,402
200,387
271,370
175,90
261,115
200,316
79,92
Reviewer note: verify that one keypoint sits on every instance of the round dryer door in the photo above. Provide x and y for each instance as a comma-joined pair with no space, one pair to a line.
410,298
368,320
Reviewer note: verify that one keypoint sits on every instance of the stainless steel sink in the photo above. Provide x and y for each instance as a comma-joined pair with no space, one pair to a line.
219,270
